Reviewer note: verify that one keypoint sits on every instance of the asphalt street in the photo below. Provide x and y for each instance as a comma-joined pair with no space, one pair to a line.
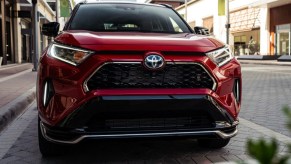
265,90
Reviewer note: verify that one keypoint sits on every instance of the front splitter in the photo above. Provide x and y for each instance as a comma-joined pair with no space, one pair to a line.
218,133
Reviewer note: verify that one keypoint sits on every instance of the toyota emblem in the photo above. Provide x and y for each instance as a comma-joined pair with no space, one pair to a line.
154,61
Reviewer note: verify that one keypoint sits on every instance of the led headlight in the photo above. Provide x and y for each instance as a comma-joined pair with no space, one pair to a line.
68,54
220,56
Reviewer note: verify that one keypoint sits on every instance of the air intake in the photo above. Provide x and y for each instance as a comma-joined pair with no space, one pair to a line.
48,92
236,89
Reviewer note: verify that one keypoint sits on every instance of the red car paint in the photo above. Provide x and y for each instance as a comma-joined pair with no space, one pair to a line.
68,79
131,70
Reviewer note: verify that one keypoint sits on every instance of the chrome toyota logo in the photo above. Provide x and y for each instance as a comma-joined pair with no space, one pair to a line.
154,61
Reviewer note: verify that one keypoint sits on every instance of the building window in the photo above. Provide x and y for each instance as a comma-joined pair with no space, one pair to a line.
208,23
247,43
192,24
239,45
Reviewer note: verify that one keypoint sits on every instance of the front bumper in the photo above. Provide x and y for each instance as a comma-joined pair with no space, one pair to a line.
74,113
143,116
206,133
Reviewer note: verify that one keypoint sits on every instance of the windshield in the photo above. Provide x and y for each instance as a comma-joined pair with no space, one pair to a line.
127,17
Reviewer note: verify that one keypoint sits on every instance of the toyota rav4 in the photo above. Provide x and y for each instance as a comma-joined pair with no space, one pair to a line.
129,70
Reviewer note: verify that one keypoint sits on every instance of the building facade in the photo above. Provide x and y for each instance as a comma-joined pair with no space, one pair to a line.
257,27
16,45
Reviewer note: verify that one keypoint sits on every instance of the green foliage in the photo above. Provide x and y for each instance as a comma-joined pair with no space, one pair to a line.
266,152
263,151
287,111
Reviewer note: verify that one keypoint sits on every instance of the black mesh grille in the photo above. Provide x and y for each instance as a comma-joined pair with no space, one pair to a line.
155,123
134,75
159,123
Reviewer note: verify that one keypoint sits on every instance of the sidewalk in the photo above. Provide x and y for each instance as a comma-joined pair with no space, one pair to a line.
17,91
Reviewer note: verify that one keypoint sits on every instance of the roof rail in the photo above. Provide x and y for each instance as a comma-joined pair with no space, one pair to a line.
166,5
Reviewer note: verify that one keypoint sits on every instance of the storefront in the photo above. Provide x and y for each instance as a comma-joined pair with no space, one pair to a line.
280,29
245,29
247,43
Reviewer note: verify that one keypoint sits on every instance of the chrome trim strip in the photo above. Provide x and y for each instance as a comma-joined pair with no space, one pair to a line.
221,134
86,89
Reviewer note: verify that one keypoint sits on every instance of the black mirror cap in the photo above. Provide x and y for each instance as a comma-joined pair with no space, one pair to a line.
50,29
201,30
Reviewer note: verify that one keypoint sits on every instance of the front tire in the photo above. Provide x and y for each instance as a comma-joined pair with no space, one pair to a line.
213,143
48,148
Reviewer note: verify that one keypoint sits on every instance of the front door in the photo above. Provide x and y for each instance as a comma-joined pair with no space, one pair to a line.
283,39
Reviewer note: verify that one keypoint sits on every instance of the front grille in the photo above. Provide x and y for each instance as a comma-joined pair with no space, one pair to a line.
134,75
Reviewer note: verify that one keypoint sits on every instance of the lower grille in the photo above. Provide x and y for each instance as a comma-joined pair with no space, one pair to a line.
159,123
134,75
168,123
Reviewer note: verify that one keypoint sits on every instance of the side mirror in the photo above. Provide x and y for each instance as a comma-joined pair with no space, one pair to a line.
201,30
50,29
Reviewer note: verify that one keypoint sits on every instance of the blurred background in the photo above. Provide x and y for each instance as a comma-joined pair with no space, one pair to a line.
253,28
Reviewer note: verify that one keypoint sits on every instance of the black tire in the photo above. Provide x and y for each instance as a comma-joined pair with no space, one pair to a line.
48,148
213,143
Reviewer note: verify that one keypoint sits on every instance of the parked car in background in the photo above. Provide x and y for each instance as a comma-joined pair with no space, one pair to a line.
129,70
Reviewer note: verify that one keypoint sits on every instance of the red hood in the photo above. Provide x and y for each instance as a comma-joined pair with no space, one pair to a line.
138,41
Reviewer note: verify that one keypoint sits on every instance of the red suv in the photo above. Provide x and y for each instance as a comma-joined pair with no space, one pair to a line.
128,70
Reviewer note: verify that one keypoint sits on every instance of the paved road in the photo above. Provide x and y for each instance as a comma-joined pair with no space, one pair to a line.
266,89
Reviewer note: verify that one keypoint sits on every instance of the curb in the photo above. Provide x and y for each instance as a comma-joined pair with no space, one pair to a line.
11,110
15,68
265,63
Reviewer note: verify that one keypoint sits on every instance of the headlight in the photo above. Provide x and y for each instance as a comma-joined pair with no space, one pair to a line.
68,54
220,56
